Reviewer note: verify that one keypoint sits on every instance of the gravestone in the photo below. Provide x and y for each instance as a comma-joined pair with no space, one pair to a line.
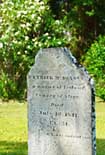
61,113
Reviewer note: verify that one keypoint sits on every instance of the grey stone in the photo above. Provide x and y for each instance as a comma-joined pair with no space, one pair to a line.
61,113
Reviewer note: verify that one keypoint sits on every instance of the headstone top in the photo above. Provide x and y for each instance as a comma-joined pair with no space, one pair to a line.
56,57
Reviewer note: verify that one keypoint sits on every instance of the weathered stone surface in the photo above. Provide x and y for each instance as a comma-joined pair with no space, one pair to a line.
61,106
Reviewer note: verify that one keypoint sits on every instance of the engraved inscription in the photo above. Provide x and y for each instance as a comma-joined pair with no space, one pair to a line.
49,77
54,116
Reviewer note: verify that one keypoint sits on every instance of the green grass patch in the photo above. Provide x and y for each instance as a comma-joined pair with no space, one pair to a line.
100,126
13,128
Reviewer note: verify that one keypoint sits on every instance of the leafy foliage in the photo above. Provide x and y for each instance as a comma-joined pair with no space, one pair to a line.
85,21
26,26
95,62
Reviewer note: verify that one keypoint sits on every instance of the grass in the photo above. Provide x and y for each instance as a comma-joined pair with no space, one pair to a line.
100,126
13,128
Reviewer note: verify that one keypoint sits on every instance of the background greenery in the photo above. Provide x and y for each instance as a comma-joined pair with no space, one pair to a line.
13,131
27,26
95,62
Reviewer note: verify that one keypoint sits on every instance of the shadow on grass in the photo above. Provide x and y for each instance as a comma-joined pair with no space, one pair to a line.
13,148
16,148
100,146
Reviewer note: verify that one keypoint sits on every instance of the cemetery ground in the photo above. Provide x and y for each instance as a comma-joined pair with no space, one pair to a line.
13,128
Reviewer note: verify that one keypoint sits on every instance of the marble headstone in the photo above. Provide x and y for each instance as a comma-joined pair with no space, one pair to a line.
61,113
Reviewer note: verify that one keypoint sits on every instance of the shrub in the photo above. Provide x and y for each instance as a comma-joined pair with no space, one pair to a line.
95,62
25,27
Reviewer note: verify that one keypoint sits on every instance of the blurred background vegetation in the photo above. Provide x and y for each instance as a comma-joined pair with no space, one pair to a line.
27,26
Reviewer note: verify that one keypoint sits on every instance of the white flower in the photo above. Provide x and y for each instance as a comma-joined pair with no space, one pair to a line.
46,34
42,7
59,42
23,25
25,52
18,53
1,45
16,33
57,22
39,18
41,3
15,41
26,38
33,16
28,24
24,12
36,1
49,37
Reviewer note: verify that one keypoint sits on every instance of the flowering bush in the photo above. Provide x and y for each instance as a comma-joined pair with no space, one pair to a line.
25,27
